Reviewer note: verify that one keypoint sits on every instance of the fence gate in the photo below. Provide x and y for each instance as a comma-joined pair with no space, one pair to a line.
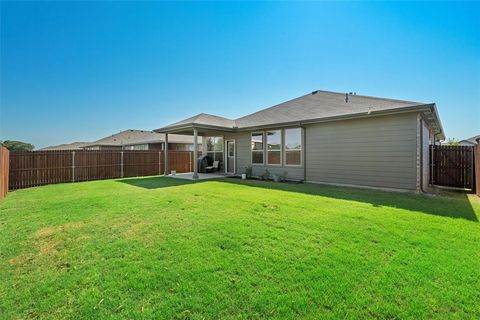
452,166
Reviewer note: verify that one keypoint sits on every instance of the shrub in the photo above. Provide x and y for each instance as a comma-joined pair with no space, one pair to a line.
266,175
249,171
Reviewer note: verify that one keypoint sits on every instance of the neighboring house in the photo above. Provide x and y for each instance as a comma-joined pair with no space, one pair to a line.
66,146
141,140
326,137
470,141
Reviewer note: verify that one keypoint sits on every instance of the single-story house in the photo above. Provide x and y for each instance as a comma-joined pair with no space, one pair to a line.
141,140
325,137
66,146
470,141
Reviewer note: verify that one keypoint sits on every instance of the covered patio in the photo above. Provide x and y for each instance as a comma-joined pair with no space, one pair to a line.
208,127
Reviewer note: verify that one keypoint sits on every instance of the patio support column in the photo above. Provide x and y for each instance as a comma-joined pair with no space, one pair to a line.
195,154
165,150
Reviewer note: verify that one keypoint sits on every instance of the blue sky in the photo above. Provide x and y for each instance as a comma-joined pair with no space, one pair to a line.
78,71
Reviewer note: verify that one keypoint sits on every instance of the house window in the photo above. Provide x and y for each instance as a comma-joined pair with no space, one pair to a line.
274,147
257,148
293,147
215,148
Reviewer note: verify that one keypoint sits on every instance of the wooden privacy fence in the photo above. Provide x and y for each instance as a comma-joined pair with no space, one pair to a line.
477,169
35,168
4,164
452,166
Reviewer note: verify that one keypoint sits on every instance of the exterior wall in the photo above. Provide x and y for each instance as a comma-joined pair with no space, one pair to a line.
377,152
155,146
159,146
427,139
145,146
183,146
103,148
244,159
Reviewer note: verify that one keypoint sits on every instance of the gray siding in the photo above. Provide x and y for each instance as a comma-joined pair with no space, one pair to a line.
427,139
244,159
377,151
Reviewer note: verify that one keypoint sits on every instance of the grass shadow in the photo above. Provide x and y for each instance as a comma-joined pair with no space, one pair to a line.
156,182
453,206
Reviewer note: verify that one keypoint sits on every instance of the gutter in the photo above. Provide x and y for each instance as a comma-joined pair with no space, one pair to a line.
304,151
193,126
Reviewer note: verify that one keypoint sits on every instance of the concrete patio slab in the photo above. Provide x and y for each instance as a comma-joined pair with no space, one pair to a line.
201,176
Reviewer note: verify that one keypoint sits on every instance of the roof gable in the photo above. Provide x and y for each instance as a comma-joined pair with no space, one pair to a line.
205,119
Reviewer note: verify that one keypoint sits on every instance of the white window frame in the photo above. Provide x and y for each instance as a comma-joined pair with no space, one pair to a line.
215,152
279,151
234,155
285,148
263,148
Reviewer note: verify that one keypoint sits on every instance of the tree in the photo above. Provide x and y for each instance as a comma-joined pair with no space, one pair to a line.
453,142
17,145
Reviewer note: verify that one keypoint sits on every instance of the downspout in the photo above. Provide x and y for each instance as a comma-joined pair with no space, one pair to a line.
432,156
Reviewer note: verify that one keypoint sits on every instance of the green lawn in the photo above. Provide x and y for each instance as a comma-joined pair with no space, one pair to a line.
226,249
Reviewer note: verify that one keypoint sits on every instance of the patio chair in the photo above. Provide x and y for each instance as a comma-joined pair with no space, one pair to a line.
213,167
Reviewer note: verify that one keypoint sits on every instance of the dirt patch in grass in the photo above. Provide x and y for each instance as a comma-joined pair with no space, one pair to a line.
136,229
51,231
21,260
45,239
49,248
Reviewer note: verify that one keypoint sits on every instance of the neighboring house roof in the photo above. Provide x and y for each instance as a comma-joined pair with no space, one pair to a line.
471,141
135,137
66,146
316,106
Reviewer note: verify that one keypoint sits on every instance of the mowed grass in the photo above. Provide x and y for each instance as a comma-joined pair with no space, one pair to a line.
227,249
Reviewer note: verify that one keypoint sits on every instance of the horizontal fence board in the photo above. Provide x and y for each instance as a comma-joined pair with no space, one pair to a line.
35,168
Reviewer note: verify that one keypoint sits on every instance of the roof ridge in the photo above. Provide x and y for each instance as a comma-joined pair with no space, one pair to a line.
214,115
332,92
276,105
372,97
197,116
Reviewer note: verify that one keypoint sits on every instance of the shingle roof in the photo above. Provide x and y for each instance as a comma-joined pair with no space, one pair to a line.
472,139
131,137
205,119
316,106
66,146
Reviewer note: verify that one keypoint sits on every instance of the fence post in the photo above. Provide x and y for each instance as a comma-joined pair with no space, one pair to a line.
73,166
121,164
472,168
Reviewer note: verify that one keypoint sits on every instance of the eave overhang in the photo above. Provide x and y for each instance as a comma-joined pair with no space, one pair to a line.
429,112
